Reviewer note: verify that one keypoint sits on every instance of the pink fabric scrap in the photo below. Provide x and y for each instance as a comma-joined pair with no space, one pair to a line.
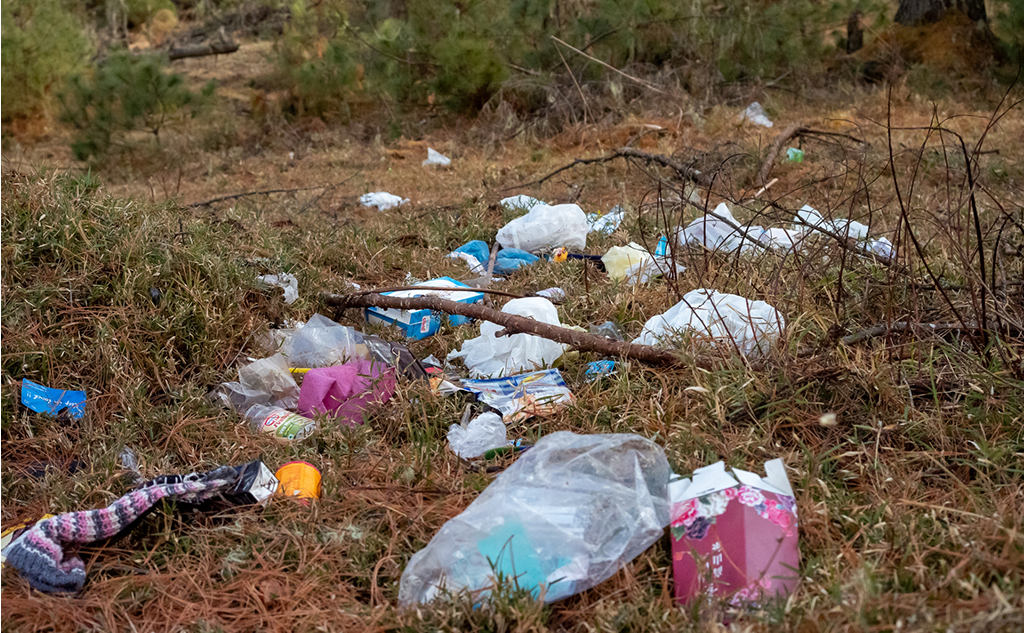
345,391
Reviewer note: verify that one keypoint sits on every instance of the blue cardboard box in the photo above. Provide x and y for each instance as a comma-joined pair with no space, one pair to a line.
419,324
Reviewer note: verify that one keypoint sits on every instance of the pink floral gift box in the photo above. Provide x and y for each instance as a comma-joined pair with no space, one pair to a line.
734,536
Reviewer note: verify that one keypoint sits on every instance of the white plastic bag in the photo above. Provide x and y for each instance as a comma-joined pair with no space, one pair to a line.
845,228
719,318
520,202
488,356
323,343
714,234
755,114
287,282
484,432
435,157
608,222
563,518
382,200
545,228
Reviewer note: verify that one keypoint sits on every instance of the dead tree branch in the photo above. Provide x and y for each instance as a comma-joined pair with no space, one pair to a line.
641,82
788,134
688,173
884,329
215,47
514,324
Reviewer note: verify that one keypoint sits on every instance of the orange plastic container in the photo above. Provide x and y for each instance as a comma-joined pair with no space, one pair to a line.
299,479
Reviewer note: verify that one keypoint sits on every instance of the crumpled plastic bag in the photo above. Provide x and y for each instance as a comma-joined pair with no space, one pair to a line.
618,260
484,432
382,200
564,517
520,202
718,318
636,265
477,254
285,281
321,343
265,381
845,228
755,114
435,157
608,222
716,234
488,356
545,228
509,260
345,391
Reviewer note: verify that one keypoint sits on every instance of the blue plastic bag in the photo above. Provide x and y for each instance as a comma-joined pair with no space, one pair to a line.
512,259
45,400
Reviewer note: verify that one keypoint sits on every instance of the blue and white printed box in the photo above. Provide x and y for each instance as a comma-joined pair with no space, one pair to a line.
419,324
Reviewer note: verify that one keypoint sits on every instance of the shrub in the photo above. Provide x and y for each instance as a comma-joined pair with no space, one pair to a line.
43,44
124,94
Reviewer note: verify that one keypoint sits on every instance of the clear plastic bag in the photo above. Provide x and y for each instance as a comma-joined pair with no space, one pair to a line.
488,356
719,318
545,228
322,343
264,382
565,517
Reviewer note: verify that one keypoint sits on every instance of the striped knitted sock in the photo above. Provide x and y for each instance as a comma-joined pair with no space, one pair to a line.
39,554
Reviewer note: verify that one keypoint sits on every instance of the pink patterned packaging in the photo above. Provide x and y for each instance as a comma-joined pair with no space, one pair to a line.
734,535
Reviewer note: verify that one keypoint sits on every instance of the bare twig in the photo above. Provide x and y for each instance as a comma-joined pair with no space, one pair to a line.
787,135
513,324
884,329
688,173
641,82
267,192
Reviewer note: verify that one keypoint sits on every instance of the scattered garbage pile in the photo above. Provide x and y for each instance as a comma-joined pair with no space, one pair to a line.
571,510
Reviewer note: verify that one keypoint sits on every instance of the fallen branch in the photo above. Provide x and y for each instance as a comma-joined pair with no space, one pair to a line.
688,173
216,47
641,82
884,329
784,137
267,192
787,135
501,293
513,324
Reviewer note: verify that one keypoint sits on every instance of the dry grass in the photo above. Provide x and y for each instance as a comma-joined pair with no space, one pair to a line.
911,505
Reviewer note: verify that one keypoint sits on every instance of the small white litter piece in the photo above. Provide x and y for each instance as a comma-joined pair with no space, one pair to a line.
608,222
555,294
520,202
484,432
287,282
435,157
476,267
755,114
382,200
718,318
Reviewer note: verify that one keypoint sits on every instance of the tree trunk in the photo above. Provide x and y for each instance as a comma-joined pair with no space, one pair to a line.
918,12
